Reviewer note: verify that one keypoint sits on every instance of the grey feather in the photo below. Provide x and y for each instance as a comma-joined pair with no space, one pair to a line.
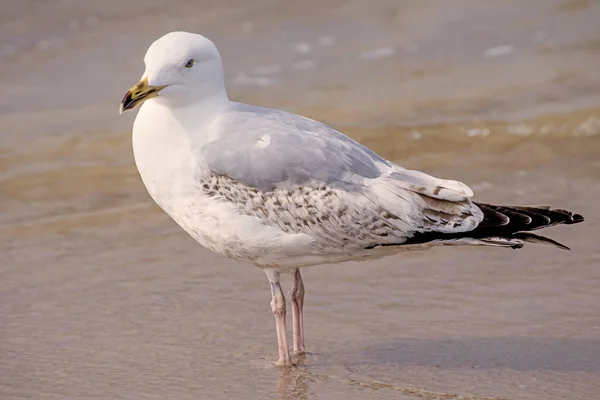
335,220
299,151
305,177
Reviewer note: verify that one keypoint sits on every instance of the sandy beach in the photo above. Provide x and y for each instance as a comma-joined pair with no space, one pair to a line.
102,296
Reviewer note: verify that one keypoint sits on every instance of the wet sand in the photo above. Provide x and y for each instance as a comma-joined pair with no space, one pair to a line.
103,296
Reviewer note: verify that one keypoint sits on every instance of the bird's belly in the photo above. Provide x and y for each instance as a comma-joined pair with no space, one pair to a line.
219,227
216,229
215,224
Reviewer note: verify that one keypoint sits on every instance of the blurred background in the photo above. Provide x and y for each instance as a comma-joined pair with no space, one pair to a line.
102,296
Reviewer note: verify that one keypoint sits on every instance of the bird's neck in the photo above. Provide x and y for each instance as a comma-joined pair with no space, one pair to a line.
200,110
166,138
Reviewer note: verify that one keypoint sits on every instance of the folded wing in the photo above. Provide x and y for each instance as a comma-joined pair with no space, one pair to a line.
305,177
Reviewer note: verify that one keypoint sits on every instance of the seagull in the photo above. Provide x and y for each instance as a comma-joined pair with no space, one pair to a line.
283,192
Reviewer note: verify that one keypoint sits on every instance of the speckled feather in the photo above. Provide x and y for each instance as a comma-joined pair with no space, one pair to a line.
337,219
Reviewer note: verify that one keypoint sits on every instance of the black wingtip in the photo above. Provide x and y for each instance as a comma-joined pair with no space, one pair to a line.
533,238
561,246
577,218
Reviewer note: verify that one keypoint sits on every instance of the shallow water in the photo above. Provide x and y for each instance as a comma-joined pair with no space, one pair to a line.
102,296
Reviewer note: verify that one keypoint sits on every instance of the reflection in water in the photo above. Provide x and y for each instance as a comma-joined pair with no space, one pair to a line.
293,383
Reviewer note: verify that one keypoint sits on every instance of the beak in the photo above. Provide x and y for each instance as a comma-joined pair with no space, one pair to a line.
138,93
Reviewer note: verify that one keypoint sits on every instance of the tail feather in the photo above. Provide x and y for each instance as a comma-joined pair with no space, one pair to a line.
506,226
533,238
521,221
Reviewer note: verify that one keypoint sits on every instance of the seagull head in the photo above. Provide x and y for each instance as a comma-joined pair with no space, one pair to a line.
181,69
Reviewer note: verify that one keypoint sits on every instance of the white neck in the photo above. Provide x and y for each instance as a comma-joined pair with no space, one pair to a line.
201,111
165,140
192,110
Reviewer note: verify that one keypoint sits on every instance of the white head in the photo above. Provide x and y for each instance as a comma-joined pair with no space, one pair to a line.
181,69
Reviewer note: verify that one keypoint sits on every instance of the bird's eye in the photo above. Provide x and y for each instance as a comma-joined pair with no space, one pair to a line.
189,63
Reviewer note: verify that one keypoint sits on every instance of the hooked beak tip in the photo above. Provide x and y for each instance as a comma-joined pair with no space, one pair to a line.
137,94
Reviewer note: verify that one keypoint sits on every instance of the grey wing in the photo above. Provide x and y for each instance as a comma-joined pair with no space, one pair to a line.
269,149
304,177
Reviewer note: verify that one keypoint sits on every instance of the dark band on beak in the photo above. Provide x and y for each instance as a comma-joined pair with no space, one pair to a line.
138,93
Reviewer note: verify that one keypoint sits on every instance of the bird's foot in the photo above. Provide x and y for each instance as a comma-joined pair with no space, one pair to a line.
283,362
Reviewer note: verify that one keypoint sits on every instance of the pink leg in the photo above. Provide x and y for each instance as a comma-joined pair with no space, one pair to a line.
297,295
278,308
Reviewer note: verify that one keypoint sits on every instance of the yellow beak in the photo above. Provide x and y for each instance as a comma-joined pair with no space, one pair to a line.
138,93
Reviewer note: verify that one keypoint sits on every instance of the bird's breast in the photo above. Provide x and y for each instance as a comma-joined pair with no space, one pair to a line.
165,158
